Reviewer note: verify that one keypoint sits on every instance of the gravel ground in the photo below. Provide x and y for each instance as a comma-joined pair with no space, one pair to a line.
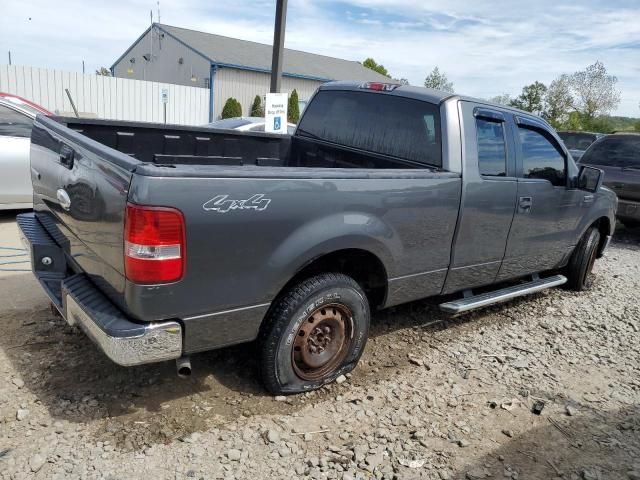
433,397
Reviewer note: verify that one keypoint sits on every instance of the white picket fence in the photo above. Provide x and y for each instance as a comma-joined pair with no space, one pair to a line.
106,97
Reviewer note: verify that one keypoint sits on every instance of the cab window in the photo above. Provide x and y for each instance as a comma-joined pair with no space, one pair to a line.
492,151
540,158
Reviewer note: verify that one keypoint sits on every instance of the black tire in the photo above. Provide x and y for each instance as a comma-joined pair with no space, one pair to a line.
328,315
582,260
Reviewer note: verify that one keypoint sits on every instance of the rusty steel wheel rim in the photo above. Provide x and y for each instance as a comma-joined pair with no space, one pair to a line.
322,341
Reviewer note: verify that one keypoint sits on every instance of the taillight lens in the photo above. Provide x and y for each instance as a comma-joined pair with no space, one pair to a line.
154,244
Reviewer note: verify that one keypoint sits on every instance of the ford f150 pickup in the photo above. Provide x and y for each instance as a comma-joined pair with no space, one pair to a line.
161,241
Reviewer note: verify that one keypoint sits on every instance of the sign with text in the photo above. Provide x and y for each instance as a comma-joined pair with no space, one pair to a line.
275,113
164,95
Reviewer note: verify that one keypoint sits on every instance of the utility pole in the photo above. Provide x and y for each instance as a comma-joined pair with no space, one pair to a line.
82,66
278,45
9,57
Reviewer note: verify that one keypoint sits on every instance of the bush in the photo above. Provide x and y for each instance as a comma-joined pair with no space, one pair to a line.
232,108
256,108
293,111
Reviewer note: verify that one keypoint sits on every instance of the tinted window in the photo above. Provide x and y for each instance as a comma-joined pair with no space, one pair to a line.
377,123
14,124
614,152
492,151
577,141
540,158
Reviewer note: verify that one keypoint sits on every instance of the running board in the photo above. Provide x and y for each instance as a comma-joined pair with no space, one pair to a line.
477,301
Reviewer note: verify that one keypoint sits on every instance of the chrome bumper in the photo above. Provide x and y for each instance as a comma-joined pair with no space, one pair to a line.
156,342
124,341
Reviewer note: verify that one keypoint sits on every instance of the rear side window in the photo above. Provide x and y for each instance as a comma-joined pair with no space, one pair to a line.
492,151
376,122
14,124
614,152
540,158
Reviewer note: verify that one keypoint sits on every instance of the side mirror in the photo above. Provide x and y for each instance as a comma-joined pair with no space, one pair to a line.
590,178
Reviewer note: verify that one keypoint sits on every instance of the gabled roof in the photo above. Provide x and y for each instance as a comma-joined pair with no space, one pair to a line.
233,52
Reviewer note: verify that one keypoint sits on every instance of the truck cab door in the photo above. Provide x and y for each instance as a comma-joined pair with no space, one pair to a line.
544,227
488,197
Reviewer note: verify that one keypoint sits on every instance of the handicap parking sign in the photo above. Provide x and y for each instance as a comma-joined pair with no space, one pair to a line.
276,123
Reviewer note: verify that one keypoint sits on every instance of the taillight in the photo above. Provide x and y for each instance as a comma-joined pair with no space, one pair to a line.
379,86
154,244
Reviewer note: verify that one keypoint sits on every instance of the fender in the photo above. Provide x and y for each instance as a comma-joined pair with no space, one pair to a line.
331,233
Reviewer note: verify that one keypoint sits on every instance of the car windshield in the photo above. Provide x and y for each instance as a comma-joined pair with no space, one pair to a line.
577,141
615,151
25,107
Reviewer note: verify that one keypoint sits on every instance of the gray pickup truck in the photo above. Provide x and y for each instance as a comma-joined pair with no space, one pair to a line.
160,242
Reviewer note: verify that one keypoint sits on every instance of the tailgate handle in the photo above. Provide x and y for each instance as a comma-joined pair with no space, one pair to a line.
66,156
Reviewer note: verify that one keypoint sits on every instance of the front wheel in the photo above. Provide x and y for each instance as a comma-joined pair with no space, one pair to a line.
582,260
314,333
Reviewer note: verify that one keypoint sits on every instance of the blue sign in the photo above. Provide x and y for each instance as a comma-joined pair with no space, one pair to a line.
276,123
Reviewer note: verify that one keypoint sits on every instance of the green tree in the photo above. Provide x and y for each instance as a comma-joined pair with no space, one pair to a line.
293,110
256,108
504,99
594,91
103,71
532,98
600,124
558,101
376,67
438,81
232,108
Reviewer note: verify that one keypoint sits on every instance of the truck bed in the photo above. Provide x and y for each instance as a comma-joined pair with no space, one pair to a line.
334,202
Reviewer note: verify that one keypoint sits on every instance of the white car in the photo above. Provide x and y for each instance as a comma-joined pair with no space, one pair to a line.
16,120
246,124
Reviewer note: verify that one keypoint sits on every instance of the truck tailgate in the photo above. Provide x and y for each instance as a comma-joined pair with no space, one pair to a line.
80,192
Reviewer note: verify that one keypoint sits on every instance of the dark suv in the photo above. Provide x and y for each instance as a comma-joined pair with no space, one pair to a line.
619,156
578,142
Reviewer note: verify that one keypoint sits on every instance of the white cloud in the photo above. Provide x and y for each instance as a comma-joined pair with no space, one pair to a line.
486,48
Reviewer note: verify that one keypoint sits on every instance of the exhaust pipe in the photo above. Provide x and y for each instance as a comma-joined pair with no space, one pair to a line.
183,365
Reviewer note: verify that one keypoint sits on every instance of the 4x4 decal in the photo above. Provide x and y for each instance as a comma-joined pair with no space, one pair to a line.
222,204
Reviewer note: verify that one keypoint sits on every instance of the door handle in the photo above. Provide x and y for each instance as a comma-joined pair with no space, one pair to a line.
588,199
524,204
66,156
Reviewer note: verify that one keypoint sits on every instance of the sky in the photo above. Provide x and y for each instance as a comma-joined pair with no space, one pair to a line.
486,48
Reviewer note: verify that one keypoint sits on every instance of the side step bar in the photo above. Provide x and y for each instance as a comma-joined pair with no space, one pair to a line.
477,301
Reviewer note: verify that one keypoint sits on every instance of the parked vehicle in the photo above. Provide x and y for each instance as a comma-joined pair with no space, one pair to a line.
16,119
619,157
246,124
191,239
578,142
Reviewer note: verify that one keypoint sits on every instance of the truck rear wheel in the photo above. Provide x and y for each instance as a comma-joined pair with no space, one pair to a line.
314,333
582,260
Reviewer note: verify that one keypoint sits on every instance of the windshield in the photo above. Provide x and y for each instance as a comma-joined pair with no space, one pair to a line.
615,151
577,141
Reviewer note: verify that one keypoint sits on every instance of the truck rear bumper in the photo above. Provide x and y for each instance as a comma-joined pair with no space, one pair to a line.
125,342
